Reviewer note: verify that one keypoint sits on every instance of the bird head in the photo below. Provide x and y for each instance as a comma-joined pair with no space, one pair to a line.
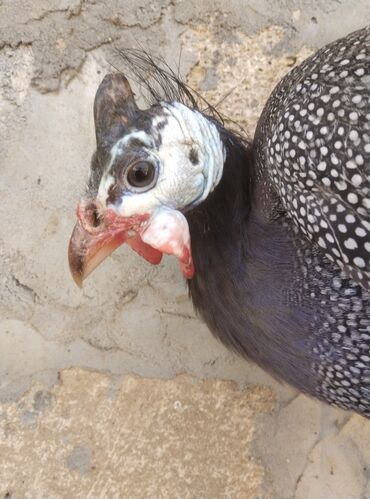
150,167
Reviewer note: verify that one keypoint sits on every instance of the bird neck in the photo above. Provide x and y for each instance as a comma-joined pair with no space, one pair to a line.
244,274
219,220
219,239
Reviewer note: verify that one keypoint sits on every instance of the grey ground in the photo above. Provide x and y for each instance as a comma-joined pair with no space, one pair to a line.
119,390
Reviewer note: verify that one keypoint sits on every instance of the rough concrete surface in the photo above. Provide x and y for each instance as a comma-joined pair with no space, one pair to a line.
175,438
119,390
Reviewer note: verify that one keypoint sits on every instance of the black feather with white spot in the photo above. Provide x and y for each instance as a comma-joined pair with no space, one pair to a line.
318,151
312,151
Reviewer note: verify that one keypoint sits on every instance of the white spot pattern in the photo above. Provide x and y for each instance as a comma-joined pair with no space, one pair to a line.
337,151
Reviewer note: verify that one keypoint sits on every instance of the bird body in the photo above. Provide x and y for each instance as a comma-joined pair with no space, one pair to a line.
312,147
274,236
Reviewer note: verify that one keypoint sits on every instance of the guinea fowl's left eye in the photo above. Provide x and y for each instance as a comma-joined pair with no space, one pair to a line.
141,175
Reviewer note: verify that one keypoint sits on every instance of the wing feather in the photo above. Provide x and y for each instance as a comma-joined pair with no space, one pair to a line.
318,151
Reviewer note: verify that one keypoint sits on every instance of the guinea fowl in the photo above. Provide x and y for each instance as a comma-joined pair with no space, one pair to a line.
274,236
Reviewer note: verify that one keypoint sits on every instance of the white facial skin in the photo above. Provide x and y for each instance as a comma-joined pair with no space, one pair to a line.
180,183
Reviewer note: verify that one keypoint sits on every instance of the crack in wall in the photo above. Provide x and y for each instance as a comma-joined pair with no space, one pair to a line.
81,24
31,292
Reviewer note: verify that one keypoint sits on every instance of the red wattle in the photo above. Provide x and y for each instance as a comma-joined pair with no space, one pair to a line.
150,254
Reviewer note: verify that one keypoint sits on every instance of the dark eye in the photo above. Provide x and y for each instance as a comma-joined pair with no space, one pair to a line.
141,175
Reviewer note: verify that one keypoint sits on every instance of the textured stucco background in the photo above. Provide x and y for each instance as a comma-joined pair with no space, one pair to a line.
119,390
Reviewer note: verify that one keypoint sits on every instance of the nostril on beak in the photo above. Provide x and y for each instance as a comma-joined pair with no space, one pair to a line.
89,216
95,219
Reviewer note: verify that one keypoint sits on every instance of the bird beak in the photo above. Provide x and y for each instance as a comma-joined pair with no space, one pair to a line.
95,237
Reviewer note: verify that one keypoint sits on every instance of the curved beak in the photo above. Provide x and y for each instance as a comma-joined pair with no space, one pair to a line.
96,235
91,241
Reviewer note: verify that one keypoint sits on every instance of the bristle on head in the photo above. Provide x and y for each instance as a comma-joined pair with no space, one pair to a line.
162,84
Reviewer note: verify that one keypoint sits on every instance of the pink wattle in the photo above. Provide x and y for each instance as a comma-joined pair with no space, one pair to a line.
150,254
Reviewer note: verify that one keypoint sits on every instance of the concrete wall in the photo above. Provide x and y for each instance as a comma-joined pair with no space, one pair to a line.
132,319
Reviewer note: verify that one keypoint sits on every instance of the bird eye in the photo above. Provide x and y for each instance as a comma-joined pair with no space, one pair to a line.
141,175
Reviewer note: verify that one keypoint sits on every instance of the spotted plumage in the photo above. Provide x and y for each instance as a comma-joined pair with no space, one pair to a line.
273,236
318,151
313,150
